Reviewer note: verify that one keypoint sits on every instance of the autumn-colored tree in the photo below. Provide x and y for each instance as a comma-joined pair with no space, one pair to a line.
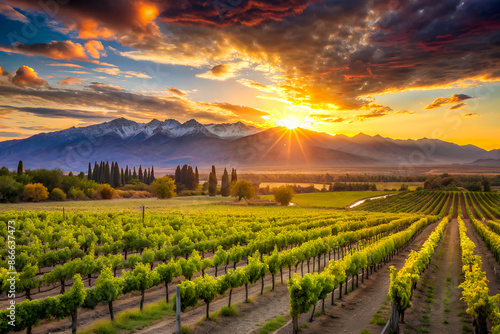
163,187
35,192
106,191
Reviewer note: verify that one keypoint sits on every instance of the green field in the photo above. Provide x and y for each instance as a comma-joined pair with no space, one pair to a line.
117,204
319,186
327,200
331,199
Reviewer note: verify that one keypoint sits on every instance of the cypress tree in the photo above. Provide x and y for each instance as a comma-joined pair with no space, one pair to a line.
116,176
184,173
212,183
127,176
146,175
134,176
140,174
95,174
107,174
112,175
102,173
190,178
196,177
152,174
178,174
225,186
122,178
235,177
20,169
89,173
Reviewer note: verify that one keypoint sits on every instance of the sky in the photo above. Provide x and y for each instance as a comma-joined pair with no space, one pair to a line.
402,69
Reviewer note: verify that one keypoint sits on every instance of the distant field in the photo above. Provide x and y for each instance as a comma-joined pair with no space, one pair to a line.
319,186
331,199
116,204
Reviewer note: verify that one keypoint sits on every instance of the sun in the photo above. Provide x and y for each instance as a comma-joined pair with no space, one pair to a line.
289,123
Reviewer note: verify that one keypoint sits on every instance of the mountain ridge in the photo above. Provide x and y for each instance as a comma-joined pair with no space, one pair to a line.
171,142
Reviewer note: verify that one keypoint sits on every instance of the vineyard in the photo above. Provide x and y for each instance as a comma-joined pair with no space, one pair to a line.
308,263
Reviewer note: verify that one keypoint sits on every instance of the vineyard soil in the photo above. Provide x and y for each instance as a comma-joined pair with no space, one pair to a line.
436,305
354,312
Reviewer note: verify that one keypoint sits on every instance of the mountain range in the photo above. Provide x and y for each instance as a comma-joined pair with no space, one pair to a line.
169,143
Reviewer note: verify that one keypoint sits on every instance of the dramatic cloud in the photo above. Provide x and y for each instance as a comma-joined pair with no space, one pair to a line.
12,14
224,13
106,101
27,77
61,50
62,113
472,114
129,21
93,48
224,71
455,98
71,81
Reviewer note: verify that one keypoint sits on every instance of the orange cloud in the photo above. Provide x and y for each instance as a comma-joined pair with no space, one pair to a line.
26,76
455,98
60,50
12,14
93,48
71,81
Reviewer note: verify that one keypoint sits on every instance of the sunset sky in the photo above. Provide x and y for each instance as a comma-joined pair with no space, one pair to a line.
398,68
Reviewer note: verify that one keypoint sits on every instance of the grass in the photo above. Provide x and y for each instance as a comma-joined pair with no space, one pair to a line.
154,204
331,199
228,311
319,186
272,325
131,320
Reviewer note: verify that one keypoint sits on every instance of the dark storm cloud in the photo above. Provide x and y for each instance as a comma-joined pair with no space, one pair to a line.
325,54
229,12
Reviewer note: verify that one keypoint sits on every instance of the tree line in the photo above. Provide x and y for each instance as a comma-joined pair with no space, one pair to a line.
103,173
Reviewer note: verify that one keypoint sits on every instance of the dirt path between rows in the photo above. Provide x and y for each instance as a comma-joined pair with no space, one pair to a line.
489,261
354,312
436,305
269,305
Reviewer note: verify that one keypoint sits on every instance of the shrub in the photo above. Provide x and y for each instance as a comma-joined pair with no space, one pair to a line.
57,195
35,192
284,195
75,193
10,190
163,187
106,191
190,193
